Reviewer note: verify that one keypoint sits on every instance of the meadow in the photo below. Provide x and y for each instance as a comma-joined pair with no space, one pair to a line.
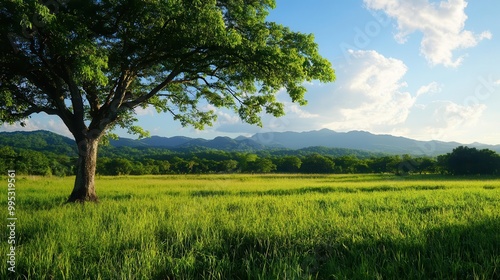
258,227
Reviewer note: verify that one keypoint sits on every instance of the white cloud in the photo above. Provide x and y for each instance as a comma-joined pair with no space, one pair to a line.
148,111
295,109
227,118
224,116
40,122
296,117
453,121
441,23
433,87
450,115
445,120
370,94
373,93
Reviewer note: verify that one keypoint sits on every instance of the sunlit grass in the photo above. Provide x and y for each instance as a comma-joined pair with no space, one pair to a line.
259,227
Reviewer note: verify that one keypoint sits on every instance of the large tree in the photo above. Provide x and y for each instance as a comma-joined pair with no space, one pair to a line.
471,161
91,63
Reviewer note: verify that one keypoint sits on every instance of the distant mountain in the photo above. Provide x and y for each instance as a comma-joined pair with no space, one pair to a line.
153,141
323,141
40,140
180,142
359,140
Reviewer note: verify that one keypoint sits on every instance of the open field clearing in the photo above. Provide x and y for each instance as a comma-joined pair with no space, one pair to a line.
258,227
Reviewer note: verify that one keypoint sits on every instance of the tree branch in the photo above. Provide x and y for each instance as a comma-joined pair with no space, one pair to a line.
176,70
77,123
93,98
50,82
119,95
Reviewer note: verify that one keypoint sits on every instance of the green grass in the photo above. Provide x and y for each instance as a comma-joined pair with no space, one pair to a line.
258,227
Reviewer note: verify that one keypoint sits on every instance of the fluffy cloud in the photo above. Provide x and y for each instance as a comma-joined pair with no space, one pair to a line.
372,92
369,94
296,118
445,120
40,122
295,109
449,115
442,25
148,111
430,88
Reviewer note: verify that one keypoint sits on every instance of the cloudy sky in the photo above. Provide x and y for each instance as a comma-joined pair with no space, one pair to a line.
423,69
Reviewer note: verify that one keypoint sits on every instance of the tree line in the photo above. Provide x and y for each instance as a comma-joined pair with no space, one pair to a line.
133,161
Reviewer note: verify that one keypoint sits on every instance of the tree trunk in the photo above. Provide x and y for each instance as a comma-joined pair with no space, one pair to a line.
84,189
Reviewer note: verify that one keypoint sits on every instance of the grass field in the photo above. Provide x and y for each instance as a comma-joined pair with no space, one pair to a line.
258,227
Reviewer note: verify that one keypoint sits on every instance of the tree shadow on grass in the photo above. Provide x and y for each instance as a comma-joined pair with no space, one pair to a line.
455,252
33,203
308,190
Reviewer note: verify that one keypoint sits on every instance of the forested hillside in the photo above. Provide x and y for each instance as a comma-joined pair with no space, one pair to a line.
46,153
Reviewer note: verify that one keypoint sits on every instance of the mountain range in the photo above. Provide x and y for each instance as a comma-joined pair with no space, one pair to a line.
353,140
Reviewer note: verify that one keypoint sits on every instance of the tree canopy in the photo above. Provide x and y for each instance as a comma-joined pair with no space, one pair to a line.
471,161
92,63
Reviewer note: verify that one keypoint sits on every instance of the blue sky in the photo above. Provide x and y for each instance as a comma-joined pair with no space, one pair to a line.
422,69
